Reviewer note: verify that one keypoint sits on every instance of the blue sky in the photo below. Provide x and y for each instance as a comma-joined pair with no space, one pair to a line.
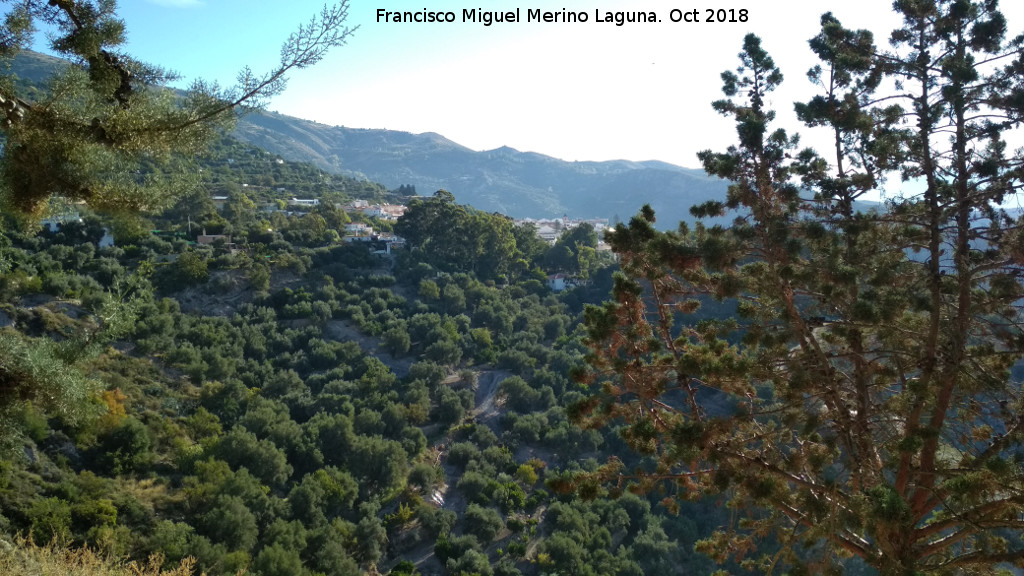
574,91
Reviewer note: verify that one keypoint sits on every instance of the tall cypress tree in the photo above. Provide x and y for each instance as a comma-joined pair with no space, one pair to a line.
862,401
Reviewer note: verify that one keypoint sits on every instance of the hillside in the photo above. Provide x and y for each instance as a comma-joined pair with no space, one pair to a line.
520,184
292,404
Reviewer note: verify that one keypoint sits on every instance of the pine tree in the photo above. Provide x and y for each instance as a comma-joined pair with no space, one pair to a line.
105,130
862,401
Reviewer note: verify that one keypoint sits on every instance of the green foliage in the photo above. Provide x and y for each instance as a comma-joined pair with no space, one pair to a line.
519,396
36,374
470,562
278,560
484,523
266,409
397,341
429,290
262,458
106,115
848,407
172,539
191,268
404,568
437,521
124,448
230,521
379,464
527,474
241,425
653,550
371,537
457,238
575,252
444,352
50,520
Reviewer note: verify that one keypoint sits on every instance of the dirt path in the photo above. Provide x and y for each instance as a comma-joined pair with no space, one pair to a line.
487,411
487,381
487,408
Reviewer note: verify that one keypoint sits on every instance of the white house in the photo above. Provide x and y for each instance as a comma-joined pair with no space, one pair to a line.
354,206
385,211
358,229
53,223
559,282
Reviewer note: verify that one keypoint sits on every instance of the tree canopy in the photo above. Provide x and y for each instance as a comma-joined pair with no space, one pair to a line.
458,238
863,399
105,130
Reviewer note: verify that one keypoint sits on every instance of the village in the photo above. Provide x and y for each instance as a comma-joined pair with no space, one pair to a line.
360,229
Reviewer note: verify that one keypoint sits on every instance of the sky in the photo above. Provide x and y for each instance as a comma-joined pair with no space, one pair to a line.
575,91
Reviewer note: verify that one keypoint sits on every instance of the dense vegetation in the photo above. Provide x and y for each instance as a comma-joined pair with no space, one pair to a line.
865,398
89,130
300,405
234,381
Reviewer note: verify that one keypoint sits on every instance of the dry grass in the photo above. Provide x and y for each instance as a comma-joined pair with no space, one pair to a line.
25,558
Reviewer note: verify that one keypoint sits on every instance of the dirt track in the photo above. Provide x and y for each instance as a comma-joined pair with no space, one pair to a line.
487,383
487,410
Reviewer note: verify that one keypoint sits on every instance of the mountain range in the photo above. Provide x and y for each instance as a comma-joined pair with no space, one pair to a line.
505,180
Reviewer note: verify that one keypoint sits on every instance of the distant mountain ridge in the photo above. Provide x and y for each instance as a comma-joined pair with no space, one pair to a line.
505,180
520,184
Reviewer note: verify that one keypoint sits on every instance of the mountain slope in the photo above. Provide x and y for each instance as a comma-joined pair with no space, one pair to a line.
519,184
